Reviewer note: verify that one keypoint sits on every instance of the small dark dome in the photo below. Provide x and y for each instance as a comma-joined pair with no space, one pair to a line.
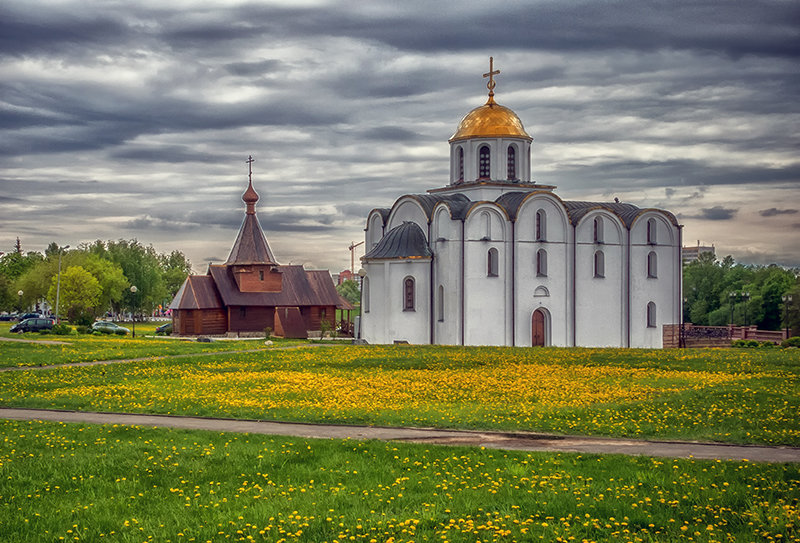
404,241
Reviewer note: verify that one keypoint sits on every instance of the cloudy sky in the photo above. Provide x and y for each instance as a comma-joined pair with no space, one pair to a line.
133,119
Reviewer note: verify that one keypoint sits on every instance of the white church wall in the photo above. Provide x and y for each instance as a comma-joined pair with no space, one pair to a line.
407,209
377,311
486,317
374,231
600,319
557,282
661,289
412,326
446,246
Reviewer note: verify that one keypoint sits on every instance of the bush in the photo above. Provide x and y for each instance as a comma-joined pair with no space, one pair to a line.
766,344
120,332
791,342
267,332
61,329
83,329
744,343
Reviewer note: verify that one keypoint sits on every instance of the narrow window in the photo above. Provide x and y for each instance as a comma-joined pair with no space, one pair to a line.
599,264
512,163
322,314
365,294
242,312
260,275
484,163
460,164
541,225
651,315
440,305
408,294
541,263
487,225
651,231
652,264
598,230
492,263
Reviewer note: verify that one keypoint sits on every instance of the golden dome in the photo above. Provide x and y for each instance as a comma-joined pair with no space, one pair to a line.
490,120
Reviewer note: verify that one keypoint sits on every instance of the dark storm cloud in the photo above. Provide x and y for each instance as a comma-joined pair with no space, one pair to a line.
248,69
716,213
389,133
773,211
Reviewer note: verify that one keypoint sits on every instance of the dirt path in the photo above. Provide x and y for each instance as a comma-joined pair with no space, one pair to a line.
494,440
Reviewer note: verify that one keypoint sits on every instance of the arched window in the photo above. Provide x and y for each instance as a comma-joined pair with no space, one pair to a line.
408,294
652,264
598,229
487,225
460,164
440,304
651,315
599,264
651,231
541,263
492,263
484,163
512,162
365,294
541,225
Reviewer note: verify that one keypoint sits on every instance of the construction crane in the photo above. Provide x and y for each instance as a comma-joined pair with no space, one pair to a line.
352,248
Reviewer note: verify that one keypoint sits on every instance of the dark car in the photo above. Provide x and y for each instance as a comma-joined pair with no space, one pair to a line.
165,329
29,316
32,325
8,317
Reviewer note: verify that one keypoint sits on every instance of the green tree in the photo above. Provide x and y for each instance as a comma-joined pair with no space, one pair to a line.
142,268
79,294
174,269
349,291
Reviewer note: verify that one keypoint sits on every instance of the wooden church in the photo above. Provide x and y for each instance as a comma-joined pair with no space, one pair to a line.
251,291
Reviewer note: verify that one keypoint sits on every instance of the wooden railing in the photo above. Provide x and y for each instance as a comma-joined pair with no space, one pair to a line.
689,335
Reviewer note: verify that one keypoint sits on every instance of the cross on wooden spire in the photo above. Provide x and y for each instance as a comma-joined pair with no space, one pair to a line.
249,162
490,74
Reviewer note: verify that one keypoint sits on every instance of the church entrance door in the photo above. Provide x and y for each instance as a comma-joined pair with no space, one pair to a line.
537,328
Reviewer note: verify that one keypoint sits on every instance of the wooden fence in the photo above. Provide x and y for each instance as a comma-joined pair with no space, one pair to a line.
689,335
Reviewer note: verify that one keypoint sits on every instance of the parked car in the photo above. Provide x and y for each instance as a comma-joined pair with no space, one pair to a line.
165,329
32,325
29,316
107,327
8,317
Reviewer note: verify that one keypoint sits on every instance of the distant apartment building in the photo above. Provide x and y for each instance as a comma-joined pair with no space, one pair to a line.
692,253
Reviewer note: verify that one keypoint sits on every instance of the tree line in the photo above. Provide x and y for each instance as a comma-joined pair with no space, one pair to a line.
95,278
720,292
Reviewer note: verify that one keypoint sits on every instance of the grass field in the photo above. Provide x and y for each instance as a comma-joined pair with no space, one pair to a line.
111,483
87,347
732,395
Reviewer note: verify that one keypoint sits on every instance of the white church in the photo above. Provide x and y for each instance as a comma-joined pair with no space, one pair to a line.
494,258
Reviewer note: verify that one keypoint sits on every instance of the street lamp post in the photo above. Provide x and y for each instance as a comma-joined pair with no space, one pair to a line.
786,299
746,298
133,309
19,302
682,339
731,297
58,282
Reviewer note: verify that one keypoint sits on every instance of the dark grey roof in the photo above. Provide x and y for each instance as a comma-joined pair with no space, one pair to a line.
404,241
627,213
458,204
384,212
299,287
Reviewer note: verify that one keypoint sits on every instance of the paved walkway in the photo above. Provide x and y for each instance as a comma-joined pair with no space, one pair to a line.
522,441
42,341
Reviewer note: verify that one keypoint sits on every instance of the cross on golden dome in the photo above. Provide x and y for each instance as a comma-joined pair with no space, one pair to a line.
490,74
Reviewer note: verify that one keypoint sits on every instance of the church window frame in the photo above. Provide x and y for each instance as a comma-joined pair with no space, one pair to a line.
599,265
651,315
511,163
365,294
492,263
541,225
409,294
652,238
541,263
460,177
652,265
440,304
597,231
242,312
484,162
260,275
